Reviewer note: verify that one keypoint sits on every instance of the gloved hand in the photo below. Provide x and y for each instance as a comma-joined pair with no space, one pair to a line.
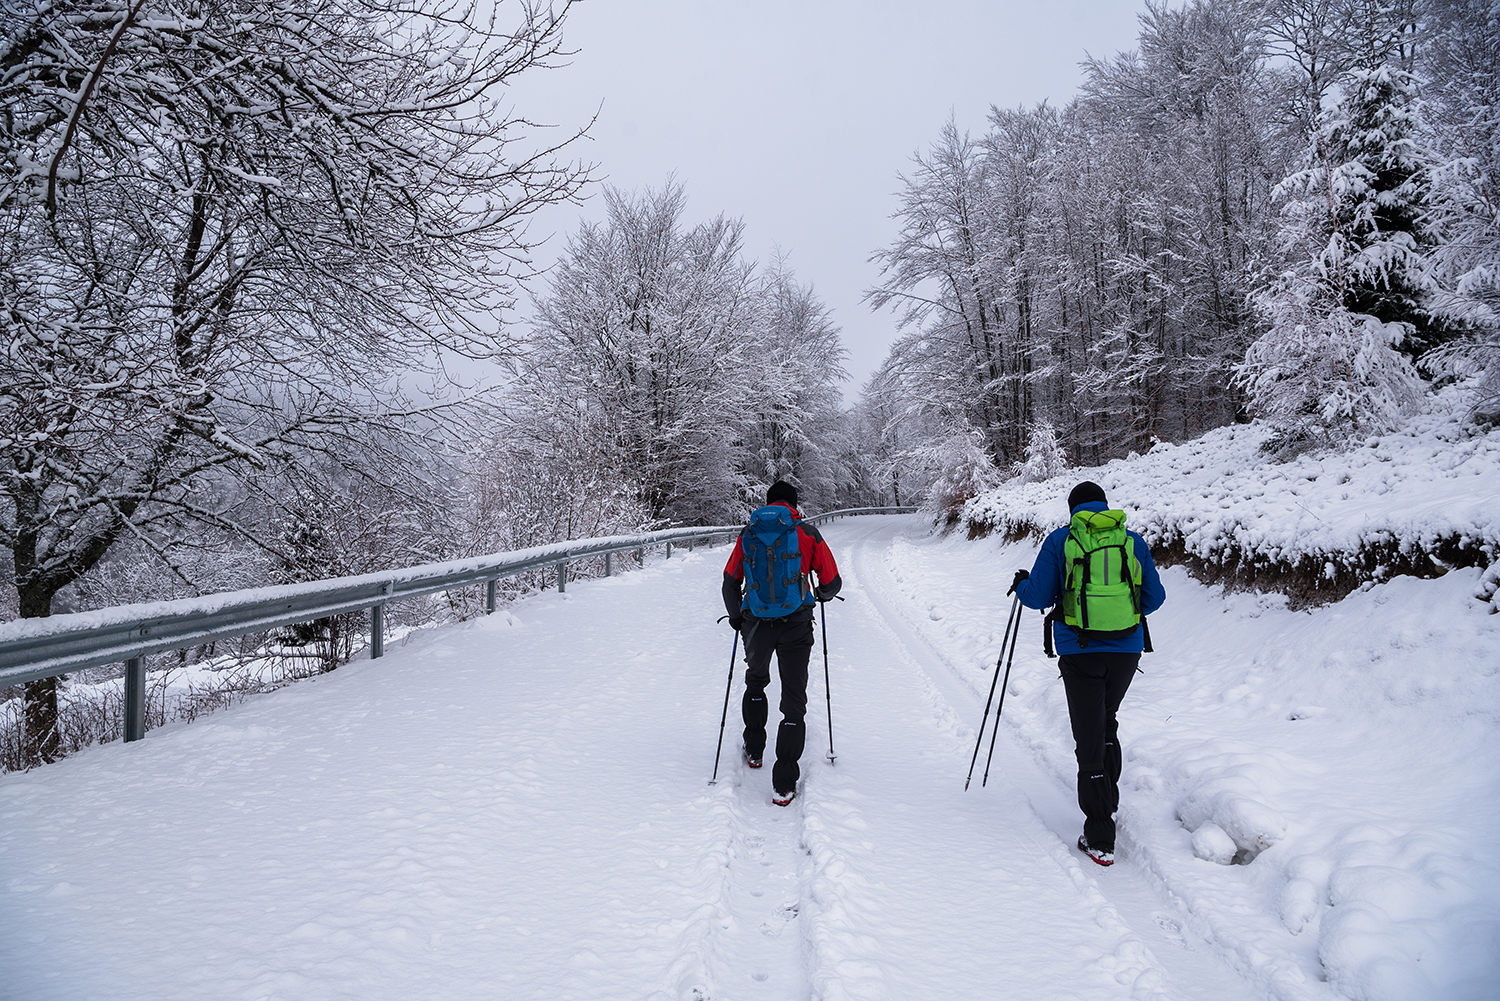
829,591
736,622
1020,576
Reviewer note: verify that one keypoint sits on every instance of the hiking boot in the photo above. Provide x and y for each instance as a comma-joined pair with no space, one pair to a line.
752,760
783,798
1099,855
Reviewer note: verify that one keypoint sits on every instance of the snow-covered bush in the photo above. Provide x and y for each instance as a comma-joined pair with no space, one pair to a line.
1489,587
961,470
93,712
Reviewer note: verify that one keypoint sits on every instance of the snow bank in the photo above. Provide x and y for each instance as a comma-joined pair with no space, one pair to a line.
1315,787
1419,501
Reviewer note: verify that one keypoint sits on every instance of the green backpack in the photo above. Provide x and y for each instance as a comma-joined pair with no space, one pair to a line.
1101,577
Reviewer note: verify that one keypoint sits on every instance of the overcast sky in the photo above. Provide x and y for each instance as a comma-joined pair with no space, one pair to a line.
798,116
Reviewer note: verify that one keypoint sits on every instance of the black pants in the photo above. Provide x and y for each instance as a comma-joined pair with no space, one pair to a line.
791,639
1096,683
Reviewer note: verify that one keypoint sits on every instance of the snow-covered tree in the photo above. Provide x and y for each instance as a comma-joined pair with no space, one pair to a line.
1374,205
1323,370
1354,305
645,326
1045,457
701,381
792,428
1461,63
960,469
223,229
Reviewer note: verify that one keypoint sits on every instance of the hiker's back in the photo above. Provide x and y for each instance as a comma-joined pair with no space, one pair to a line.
774,585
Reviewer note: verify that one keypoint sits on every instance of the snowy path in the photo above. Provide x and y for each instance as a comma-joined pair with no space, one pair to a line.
519,808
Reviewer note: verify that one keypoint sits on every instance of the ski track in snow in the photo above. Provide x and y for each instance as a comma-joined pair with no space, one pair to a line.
519,807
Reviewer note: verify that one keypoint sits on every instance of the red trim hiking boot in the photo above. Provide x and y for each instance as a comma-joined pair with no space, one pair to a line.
1099,856
783,798
752,761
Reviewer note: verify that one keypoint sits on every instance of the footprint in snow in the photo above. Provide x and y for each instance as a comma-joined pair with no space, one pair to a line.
1171,927
784,915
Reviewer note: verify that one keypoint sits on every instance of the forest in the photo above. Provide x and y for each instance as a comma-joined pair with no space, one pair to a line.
241,246
1283,211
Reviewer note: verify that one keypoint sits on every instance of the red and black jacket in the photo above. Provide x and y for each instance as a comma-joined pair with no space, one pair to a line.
816,559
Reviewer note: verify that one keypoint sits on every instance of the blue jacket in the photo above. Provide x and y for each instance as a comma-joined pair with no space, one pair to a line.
1044,588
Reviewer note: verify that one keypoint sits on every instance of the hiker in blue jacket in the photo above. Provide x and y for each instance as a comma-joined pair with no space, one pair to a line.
1097,664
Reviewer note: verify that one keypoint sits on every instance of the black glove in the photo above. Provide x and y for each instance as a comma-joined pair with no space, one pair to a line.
828,590
736,622
1020,576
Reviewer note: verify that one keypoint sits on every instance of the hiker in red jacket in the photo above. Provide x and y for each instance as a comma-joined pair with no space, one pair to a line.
753,590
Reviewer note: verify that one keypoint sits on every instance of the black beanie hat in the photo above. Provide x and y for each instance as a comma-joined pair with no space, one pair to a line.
1085,492
782,491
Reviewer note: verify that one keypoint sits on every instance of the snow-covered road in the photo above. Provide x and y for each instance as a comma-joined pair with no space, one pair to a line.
519,808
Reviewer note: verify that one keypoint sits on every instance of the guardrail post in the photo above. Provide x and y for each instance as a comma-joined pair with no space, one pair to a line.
490,586
135,698
690,544
377,631
562,576
669,550
606,563
640,556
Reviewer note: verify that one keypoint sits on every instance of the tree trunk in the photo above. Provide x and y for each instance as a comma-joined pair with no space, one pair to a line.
43,743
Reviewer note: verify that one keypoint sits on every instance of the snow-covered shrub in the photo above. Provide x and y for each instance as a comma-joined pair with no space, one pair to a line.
93,712
1045,457
1489,587
961,470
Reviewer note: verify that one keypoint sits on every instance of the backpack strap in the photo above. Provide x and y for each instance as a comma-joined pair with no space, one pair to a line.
1083,591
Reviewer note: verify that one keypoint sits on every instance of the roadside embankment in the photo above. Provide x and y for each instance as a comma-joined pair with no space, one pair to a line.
1419,502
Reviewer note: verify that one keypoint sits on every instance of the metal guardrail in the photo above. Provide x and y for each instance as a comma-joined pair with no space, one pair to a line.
31,649
844,512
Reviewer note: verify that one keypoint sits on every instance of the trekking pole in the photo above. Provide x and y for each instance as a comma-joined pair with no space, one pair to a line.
728,687
828,695
1001,707
987,702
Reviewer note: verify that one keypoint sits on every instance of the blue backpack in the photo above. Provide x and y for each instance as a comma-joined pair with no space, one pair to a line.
774,585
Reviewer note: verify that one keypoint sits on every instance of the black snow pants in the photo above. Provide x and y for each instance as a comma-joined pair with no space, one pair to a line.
1096,683
791,639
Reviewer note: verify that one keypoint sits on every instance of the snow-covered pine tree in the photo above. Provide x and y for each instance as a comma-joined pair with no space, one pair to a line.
1322,373
1344,320
1378,233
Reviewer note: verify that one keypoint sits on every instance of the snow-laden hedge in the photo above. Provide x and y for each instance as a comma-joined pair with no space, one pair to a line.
1418,501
